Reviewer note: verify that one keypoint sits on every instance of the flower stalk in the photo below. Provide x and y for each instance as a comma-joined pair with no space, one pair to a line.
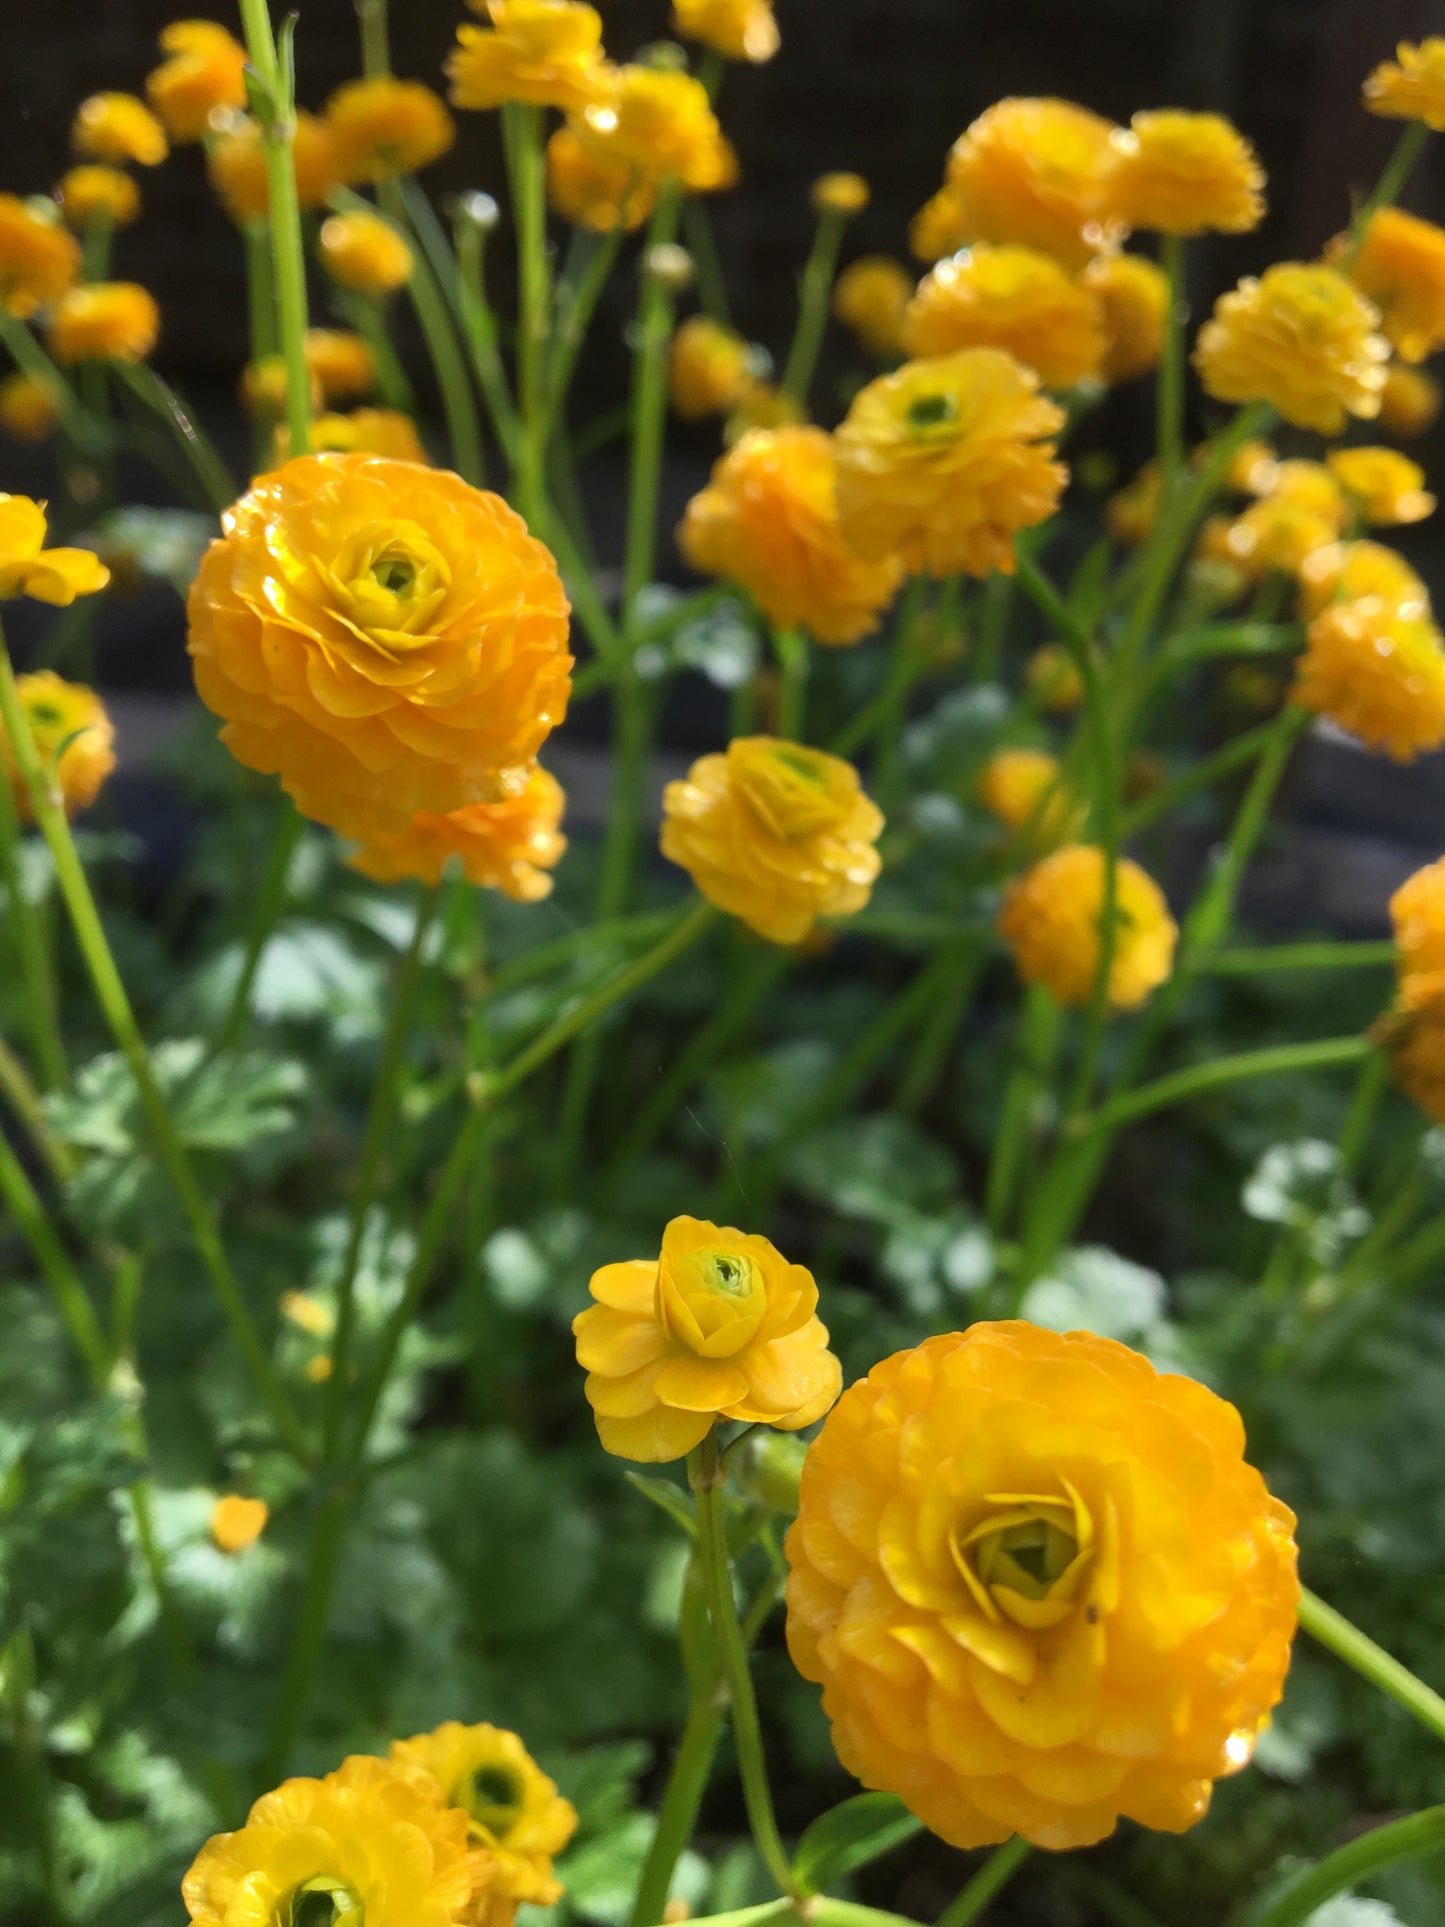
273,100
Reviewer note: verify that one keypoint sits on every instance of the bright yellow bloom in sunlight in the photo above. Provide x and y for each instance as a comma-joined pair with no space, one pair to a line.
514,1811
61,713
1053,676
116,128
104,321
203,76
1409,401
1300,338
1386,486
236,166
768,520
1051,921
342,362
88,193
39,258
942,463
1415,1031
373,1841
839,194
364,253
1417,911
1400,266
546,53
708,369
736,29
262,387
1025,790
27,567
1133,298
386,126
1011,298
1253,468
1177,173
1131,512
871,297
381,636
1040,1586
588,190
774,833
1034,172
238,1522
1411,86
1346,571
938,228
1377,670
508,846
720,1326
659,123
27,408
1278,533
365,431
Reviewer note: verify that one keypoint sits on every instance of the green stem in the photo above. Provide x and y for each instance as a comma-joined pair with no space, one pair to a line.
260,290
814,293
791,648
907,664
28,355
375,48
1391,184
772,1913
270,903
276,111
298,1678
577,302
1219,1071
824,1911
995,1874
24,1100
463,430
935,1040
1170,395
33,952
677,1816
1209,919
368,316
35,1799
712,290
214,479
649,410
1039,1030
1417,1835
480,327
71,1298
1294,956
1372,1662
997,606
527,165
1370,1087
1204,775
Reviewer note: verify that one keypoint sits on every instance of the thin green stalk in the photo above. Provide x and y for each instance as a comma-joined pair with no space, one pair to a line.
1170,391
480,326
214,479
71,1298
1391,184
1263,959
35,1794
96,245
28,355
529,199
1372,1662
576,302
298,1677
882,716
941,1025
24,1101
824,1911
1373,1853
274,103
368,316
1209,918
995,1874
597,625
33,953
997,600
712,290
771,1913
429,304
1417,1258
375,45
1204,775
677,1816
537,962
1370,1087
1040,1026
649,409
814,293
1274,1060
791,649
260,290
269,905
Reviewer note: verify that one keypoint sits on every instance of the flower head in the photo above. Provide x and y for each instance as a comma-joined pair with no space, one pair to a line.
364,253
1132,511
774,833
708,369
1278,533
1034,172
1409,401
27,567
719,1326
762,404
382,636
27,408
1377,669
116,128
39,259
1053,676
1411,86
1347,571
589,190
104,321
1417,911
1052,918
1179,173
768,520
509,845
736,29
939,227
238,1522
236,166
842,194
1011,298
1300,338
97,193
547,53
1133,298
73,738
1040,1586
263,383
945,461
1399,264
871,296
660,124
386,126
342,362
365,431
205,73
1386,487
1025,790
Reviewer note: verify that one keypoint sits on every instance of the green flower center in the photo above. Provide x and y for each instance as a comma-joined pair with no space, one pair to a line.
720,1271
1027,1558
321,1903
931,411
46,715
494,1797
394,573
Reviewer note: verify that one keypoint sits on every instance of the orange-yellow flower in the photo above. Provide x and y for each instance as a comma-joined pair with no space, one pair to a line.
342,362
590,191
736,29
1180,173
262,387
39,259
1025,790
1052,917
871,297
1035,172
116,128
762,405
365,431
1411,86
1131,511
1053,676
1011,298
708,369
28,410
382,636
944,461
27,567
104,321
236,166
768,520
1347,571
1417,911
1300,338
238,1522
939,227
774,833
1386,486
842,194
1415,1032
1400,266
1377,670
1280,532
67,721
1040,1586
720,1326
1253,468
364,253
205,74
508,846
547,53
1133,298
659,123
88,193
1409,401
386,126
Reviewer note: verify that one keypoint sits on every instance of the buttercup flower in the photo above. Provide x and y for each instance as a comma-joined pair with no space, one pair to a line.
1179,173
1411,86
1040,1586
364,253
659,123
1034,172
1011,298
1377,669
708,369
508,846
871,296
1279,532
104,321
1400,266
90,193
1346,571
386,126
1300,338
1052,674
762,405
1386,487
116,128
720,1326
27,408
262,387
1051,920
939,227
1025,790
1133,298
839,194
61,713
1253,468
736,29
945,461
588,190
1131,511
205,73
774,833
1415,1033
768,520
374,1842
238,1522
39,259
382,636
236,166
342,362
27,567
1409,401
365,431
1417,911
547,53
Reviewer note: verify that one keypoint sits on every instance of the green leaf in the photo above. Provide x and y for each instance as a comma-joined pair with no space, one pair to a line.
850,1836
876,1168
669,1498
224,1104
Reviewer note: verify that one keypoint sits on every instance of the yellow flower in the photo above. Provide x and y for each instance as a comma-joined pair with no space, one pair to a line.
61,713
588,190
1409,401
768,520
659,123
708,369
515,1812
762,405
1417,911
382,636
1346,571
314,1318
118,127
1253,468
547,53
1377,670
1180,173
237,1522
774,833
374,1842
1011,298
365,431
88,192
736,29
27,567
1053,676
27,408
1400,266
39,260
508,846
1040,1586
1025,790
1411,86
871,297
1277,533
104,321
943,462
319,1369
1415,1032
1133,298
236,166
720,1326
386,126
262,387
839,194
938,228
1131,511
1387,487
1034,172
364,253
1300,338
204,75
1051,921
342,362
